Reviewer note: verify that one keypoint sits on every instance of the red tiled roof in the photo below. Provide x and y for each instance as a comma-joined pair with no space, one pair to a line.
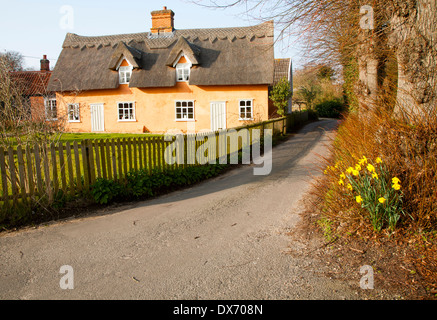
33,83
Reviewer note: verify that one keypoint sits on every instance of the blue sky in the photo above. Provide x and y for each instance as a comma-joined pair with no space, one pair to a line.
34,28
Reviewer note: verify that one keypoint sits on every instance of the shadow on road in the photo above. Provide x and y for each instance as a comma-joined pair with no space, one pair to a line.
285,157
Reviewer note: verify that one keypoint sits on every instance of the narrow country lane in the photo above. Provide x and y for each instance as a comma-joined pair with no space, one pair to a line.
222,239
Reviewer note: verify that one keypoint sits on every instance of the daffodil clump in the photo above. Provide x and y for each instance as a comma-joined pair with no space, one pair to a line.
370,185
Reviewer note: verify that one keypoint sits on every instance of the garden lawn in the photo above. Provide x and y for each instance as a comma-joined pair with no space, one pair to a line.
92,136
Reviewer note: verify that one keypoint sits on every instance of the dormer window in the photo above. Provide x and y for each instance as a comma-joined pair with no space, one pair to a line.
182,57
183,71
125,74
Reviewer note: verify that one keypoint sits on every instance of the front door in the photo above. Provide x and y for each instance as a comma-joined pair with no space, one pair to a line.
97,118
218,115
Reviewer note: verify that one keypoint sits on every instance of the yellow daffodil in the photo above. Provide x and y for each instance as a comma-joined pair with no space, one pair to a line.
375,176
371,168
396,186
355,172
358,167
349,187
358,199
343,176
395,180
349,170
362,161
382,200
378,160
325,172
341,182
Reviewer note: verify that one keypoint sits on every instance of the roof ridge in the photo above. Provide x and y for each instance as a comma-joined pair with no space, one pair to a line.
259,30
30,71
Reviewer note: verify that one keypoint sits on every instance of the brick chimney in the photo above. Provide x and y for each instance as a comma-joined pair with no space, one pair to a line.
45,64
162,21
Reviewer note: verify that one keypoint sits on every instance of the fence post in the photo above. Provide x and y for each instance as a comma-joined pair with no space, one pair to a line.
49,189
62,166
4,178
284,126
70,185
31,185
22,174
85,162
77,162
90,157
12,176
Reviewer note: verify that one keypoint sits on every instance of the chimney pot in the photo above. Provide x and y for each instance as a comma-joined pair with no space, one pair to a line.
162,21
45,64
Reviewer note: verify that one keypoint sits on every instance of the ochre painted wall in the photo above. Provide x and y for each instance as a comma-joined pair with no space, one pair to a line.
155,107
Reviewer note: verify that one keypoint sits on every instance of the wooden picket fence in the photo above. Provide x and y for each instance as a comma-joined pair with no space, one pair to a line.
35,173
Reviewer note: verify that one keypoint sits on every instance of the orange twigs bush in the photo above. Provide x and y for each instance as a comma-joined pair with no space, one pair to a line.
383,172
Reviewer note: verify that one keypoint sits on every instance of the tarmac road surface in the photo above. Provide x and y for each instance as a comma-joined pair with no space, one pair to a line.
222,239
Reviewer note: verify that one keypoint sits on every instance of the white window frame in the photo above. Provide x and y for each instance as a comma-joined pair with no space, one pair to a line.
124,74
183,68
184,110
76,112
50,103
245,110
131,115
183,71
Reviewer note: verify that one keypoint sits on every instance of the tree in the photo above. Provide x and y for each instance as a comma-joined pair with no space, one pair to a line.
325,72
315,83
280,96
12,61
413,37
332,30
18,123
309,94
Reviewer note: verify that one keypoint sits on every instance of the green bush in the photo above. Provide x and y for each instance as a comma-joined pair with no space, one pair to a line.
330,109
140,184
105,191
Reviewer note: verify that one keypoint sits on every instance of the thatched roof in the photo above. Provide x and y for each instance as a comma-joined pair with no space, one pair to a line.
191,51
220,56
130,54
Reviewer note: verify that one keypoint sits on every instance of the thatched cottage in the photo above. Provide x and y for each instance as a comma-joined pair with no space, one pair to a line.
167,78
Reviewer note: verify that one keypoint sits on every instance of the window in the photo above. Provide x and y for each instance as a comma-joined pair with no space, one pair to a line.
124,74
126,111
184,110
51,109
183,72
73,112
246,109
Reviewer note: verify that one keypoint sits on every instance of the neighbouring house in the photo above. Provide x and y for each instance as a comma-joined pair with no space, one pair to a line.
33,88
166,79
283,69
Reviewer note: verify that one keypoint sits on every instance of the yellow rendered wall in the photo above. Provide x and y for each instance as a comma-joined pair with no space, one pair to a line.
155,107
